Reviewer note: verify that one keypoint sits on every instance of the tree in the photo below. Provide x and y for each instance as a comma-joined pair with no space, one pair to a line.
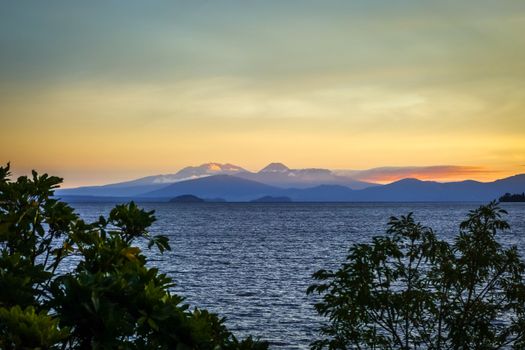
108,299
410,290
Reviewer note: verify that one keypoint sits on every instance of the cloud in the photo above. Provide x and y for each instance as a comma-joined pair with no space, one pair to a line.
340,84
436,172
158,41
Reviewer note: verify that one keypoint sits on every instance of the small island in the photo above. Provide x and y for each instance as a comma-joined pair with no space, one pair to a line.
271,199
187,198
507,197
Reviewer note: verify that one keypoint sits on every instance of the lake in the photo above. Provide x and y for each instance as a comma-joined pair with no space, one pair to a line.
252,262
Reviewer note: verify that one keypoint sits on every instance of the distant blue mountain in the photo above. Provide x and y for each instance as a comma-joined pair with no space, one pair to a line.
234,188
279,175
416,190
274,174
151,183
406,190
229,187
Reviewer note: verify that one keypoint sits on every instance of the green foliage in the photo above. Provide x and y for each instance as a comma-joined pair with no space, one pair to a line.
410,290
26,329
110,299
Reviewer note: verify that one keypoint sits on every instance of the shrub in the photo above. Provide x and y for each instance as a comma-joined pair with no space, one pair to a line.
409,290
110,299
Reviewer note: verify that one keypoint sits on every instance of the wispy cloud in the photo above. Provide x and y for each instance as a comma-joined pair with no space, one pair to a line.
132,87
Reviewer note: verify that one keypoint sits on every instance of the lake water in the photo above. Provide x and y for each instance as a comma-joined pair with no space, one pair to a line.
252,263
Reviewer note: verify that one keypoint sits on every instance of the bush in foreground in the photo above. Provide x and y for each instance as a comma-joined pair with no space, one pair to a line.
110,299
410,290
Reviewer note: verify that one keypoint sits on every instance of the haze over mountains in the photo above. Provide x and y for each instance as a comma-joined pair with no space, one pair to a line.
233,183
275,174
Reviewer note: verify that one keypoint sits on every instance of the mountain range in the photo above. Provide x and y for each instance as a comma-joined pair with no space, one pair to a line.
233,183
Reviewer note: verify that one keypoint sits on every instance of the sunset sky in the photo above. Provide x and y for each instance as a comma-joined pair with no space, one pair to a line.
104,91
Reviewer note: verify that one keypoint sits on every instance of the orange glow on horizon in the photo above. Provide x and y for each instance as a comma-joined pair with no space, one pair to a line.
439,174
338,85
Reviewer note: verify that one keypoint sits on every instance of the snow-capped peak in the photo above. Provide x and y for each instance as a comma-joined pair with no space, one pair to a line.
209,169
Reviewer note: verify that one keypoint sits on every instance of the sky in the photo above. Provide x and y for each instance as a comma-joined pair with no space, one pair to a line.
105,91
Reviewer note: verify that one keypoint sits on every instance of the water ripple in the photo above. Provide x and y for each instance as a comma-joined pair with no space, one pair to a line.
253,262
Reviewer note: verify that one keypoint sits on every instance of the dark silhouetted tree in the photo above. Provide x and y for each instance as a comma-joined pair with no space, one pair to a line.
109,299
410,290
